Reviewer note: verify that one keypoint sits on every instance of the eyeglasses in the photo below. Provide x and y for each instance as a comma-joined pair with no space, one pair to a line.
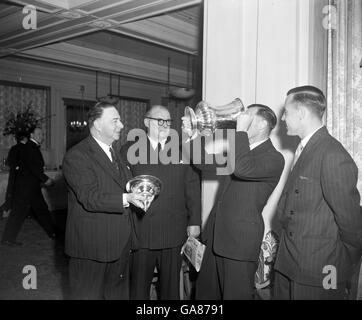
161,122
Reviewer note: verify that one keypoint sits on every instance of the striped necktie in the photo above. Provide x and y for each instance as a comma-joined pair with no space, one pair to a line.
297,154
113,155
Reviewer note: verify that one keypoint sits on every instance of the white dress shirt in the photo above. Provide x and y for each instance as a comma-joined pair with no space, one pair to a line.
105,147
255,144
305,140
154,143
36,142
302,145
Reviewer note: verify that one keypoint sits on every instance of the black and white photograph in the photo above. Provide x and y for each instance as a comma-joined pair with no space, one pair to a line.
176,154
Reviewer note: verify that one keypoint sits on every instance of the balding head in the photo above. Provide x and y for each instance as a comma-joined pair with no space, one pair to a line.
155,110
157,121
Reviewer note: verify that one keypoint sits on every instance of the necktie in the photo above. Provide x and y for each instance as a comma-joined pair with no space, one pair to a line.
297,155
113,156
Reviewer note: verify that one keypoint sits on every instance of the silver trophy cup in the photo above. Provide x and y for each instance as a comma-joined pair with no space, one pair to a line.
146,185
206,118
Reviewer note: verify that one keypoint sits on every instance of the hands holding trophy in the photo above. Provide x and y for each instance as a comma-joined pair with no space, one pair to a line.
206,118
147,187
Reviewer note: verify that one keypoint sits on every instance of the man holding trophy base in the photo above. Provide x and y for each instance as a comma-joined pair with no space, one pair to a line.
172,216
98,224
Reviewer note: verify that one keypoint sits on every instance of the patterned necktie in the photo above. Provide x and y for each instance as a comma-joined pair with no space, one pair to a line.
113,155
297,154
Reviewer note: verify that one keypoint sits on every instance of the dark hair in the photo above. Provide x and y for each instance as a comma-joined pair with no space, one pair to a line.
310,97
21,135
96,111
266,113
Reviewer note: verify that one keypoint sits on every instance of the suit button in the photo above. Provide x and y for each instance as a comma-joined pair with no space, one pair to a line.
291,212
291,234
121,276
296,191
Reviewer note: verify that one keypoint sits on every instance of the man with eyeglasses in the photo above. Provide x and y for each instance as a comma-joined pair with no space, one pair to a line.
175,214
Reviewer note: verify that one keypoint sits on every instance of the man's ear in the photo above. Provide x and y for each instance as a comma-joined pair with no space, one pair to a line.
262,124
146,122
97,125
302,112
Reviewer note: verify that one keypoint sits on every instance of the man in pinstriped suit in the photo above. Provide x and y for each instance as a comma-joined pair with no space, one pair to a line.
98,223
319,210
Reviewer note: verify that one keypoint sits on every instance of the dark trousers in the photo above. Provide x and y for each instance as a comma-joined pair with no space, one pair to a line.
207,285
20,210
168,263
236,278
287,289
221,278
95,280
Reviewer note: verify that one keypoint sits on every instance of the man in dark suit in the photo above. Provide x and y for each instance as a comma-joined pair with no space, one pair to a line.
98,223
12,163
319,209
234,231
26,190
172,216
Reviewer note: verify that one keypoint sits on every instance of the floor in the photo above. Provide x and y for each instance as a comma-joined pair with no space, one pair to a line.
46,255
51,265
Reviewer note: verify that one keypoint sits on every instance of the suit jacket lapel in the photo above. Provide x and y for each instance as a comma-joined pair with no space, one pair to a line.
306,155
123,168
99,155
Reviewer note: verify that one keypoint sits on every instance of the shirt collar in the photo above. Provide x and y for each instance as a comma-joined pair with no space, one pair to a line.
306,139
36,142
154,143
105,147
256,144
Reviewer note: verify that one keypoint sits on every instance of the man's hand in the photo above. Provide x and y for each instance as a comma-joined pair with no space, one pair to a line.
193,231
136,199
186,126
217,146
243,121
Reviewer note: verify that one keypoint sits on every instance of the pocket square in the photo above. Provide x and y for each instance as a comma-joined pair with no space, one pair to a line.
303,178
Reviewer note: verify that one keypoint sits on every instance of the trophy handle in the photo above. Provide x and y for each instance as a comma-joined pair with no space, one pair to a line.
191,116
128,188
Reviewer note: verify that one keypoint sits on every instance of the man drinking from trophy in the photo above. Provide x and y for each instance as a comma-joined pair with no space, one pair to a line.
173,215
234,230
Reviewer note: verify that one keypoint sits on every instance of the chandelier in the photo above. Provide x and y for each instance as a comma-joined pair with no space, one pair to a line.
79,124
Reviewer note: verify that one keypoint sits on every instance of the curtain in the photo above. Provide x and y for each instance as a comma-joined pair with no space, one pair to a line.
344,109
132,113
